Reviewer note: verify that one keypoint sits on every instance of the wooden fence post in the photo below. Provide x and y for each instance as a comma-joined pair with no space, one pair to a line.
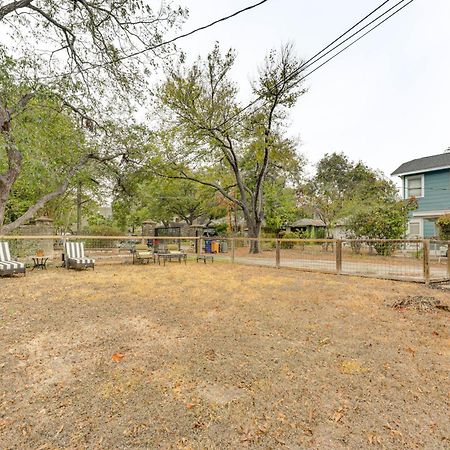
338,256
233,246
448,260
199,246
426,261
277,254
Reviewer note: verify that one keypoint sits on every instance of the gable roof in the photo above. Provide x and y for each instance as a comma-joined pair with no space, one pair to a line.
308,223
441,161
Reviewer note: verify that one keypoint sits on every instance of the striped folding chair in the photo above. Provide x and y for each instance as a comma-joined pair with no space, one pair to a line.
7,265
75,257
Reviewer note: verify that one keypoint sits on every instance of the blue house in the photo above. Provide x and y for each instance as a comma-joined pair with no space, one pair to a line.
427,179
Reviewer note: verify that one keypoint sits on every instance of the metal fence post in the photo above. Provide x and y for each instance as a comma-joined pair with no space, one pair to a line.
277,254
338,256
426,261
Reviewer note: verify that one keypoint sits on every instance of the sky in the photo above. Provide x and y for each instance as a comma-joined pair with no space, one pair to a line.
385,100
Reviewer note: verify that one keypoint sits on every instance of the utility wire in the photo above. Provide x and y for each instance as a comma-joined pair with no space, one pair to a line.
161,44
311,61
309,64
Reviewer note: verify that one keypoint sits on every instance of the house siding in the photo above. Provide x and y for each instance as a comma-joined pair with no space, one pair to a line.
437,191
429,228
436,198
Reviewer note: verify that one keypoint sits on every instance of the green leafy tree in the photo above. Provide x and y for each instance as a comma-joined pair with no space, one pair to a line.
387,221
340,187
89,58
199,106
88,51
40,154
280,205
188,201
150,197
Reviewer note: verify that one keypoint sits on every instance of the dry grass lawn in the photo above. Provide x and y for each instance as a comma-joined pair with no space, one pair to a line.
219,356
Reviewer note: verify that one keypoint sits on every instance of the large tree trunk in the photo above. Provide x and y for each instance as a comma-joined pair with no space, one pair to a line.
15,157
34,209
254,231
8,178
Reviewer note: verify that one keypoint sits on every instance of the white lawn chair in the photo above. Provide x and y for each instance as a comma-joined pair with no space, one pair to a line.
75,257
7,266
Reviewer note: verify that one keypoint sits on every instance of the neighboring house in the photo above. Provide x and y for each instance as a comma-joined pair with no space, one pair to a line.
339,230
427,179
314,227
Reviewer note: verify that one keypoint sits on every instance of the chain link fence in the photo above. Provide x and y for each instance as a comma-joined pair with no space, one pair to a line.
419,260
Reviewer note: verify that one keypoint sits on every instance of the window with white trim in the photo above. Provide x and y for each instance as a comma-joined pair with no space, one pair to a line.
415,228
414,186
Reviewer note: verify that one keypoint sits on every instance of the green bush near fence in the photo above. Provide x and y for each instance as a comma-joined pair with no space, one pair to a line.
102,230
381,222
443,225
287,235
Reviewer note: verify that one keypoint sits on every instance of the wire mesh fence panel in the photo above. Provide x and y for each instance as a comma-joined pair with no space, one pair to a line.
439,261
224,250
383,259
188,246
414,260
308,254
32,250
103,249
260,252
167,249
210,249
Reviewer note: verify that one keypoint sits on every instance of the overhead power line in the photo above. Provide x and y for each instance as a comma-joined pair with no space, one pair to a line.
323,53
161,44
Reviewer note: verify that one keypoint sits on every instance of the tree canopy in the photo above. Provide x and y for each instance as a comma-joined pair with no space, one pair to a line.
86,62
205,128
340,187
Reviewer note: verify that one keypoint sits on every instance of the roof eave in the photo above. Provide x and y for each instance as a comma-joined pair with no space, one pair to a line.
414,172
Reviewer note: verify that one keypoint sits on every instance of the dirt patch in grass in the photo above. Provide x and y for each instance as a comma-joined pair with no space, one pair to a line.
219,356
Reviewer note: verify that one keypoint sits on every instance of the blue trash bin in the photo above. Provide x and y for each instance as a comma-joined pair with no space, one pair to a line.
208,247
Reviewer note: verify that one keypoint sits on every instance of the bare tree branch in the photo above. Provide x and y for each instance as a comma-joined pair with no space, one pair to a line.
32,210
13,6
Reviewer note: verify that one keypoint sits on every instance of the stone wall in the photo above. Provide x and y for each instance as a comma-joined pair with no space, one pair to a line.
148,228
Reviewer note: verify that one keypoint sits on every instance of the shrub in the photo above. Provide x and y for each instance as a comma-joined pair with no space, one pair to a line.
102,230
381,222
443,225
288,235
320,233
221,229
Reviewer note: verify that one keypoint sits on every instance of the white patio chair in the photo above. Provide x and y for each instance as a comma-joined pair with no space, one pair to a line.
75,257
7,265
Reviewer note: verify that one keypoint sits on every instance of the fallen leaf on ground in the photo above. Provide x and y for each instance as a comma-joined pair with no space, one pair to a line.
117,357
352,366
338,415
